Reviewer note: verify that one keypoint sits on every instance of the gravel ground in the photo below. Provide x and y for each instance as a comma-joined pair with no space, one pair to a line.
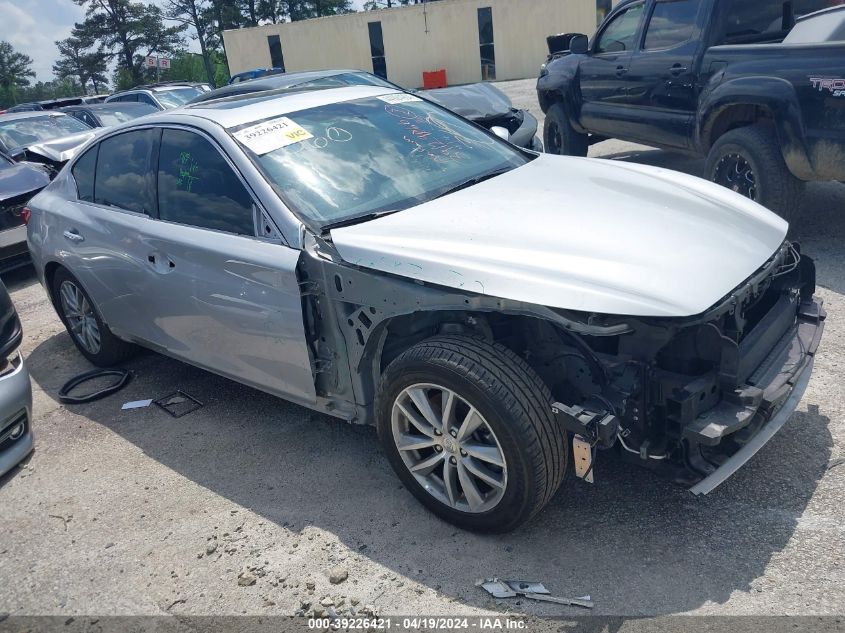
246,505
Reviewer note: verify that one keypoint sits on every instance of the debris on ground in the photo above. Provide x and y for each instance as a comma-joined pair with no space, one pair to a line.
531,590
136,404
179,403
338,574
246,578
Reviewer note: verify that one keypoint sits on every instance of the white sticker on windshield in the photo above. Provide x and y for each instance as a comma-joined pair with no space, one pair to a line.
399,98
271,135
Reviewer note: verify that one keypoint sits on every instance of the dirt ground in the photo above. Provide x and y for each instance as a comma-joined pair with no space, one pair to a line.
244,506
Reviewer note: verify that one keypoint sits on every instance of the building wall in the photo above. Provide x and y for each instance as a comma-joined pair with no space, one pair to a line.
419,38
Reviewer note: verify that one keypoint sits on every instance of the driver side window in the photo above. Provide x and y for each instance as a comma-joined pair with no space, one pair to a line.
620,35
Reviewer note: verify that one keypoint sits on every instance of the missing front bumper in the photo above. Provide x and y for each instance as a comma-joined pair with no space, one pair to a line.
781,379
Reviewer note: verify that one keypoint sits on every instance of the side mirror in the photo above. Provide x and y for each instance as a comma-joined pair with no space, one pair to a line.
579,45
501,132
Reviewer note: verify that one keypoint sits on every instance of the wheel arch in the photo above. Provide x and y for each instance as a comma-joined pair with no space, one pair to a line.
750,101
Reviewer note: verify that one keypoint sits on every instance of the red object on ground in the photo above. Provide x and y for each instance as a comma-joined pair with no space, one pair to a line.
434,79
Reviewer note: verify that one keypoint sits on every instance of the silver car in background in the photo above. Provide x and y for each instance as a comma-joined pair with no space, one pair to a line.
15,389
371,255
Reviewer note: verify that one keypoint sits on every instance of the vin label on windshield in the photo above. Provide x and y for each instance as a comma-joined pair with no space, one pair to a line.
272,135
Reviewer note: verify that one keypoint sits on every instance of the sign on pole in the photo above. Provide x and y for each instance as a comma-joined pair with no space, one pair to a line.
151,61
163,62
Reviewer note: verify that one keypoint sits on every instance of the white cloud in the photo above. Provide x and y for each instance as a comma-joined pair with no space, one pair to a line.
33,27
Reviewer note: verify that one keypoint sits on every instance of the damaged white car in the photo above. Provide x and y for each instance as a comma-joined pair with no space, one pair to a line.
370,255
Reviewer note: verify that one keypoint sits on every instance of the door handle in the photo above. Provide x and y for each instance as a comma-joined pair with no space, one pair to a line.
73,236
677,69
621,70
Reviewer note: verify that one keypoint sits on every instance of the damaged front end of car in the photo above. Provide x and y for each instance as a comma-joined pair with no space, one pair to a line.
695,398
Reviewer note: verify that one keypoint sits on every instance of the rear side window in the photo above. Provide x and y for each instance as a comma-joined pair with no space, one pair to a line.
83,174
672,23
123,177
620,34
196,186
748,21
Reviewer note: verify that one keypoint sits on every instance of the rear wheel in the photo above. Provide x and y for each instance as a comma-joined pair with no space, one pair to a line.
92,337
749,161
467,426
560,137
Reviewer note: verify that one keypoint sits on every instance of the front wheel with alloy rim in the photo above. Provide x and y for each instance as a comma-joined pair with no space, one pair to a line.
749,161
467,426
89,333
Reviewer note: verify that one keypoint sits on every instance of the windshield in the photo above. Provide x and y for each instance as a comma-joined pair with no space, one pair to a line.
346,79
113,117
371,155
177,96
22,132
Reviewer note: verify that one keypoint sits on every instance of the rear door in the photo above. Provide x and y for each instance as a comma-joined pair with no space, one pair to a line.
222,298
661,81
604,72
103,229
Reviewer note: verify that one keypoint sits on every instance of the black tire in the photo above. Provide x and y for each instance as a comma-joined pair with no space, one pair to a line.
774,185
515,404
112,350
559,137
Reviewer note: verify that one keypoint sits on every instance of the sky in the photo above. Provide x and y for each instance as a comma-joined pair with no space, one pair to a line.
33,26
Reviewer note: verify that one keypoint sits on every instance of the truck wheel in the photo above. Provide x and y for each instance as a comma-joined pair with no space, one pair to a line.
560,137
749,161
467,425
92,337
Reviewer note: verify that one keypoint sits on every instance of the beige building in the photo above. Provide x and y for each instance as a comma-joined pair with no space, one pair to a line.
471,39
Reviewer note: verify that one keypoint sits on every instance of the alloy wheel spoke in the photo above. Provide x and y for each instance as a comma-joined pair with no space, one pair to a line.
448,409
420,400
471,491
450,481
484,452
421,425
427,466
470,425
484,474
408,442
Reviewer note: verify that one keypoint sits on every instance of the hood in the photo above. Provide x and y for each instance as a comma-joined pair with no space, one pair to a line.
59,150
475,102
578,234
19,179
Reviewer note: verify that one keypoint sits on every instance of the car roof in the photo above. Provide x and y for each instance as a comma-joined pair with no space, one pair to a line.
271,82
117,105
244,109
31,114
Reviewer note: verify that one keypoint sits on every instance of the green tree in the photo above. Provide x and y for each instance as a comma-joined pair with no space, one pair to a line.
15,71
77,61
195,14
128,31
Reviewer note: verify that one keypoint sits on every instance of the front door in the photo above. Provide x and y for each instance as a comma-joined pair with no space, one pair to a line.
662,78
604,73
224,299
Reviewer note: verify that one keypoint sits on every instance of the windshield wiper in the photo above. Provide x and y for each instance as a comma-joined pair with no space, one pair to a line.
357,219
475,180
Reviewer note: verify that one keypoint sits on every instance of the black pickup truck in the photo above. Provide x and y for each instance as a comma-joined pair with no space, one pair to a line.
756,86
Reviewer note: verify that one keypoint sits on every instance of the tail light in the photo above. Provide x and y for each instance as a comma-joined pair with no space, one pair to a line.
26,214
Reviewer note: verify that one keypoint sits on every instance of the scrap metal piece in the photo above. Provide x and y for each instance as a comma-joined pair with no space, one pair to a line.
496,588
582,452
528,589
179,403
569,602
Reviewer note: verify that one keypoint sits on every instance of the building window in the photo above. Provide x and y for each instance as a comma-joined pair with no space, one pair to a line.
603,7
276,57
485,40
377,49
